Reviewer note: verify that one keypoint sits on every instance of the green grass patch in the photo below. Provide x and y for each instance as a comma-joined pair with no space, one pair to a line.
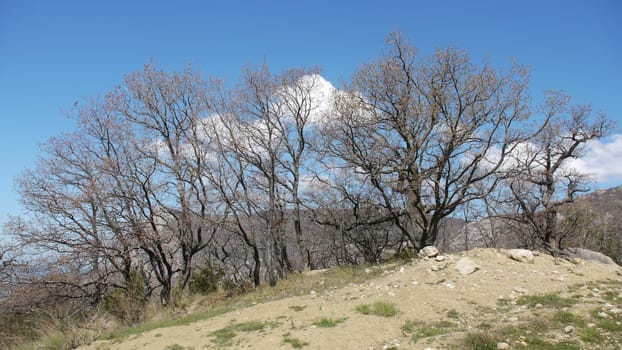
609,325
480,341
546,300
224,336
378,308
484,326
610,296
591,335
453,314
294,342
568,318
178,347
541,344
328,322
419,330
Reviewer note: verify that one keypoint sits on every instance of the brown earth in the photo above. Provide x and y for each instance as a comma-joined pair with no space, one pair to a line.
424,290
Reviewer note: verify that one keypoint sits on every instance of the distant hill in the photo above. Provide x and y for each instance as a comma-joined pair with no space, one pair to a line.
592,221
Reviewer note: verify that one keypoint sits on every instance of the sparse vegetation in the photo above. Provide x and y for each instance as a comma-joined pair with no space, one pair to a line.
480,341
294,342
328,322
418,330
177,347
546,300
453,314
225,336
379,308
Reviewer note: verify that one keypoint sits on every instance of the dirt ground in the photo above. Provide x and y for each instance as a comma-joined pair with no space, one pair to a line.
424,290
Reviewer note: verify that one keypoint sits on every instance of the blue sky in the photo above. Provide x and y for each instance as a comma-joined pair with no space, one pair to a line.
53,53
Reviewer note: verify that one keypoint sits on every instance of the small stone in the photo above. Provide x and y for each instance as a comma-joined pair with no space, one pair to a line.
520,290
616,311
522,255
602,314
449,285
440,258
502,346
607,306
595,290
568,329
538,305
513,319
466,266
428,252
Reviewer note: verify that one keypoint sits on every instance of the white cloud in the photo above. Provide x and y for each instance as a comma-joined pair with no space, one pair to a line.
602,159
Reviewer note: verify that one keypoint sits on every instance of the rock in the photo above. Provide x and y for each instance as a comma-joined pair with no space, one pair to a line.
501,346
616,311
466,266
590,255
520,290
568,329
522,255
428,252
440,258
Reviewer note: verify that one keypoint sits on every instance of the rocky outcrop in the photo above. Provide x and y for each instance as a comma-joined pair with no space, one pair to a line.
590,255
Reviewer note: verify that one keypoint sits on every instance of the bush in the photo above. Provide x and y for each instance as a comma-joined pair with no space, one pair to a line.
127,304
206,280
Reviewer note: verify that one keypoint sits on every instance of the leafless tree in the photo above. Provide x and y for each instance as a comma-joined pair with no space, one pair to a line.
542,176
428,133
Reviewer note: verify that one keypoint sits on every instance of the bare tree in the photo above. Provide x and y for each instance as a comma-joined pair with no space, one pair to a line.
543,178
299,91
428,134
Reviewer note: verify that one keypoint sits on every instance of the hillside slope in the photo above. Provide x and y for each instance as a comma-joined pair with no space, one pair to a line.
437,307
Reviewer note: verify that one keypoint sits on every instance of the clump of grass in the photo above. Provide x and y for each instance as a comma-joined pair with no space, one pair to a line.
419,330
453,314
541,344
610,295
480,341
294,342
224,336
548,300
328,322
178,347
503,302
591,335
568,318
378,308
484,326
297,308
